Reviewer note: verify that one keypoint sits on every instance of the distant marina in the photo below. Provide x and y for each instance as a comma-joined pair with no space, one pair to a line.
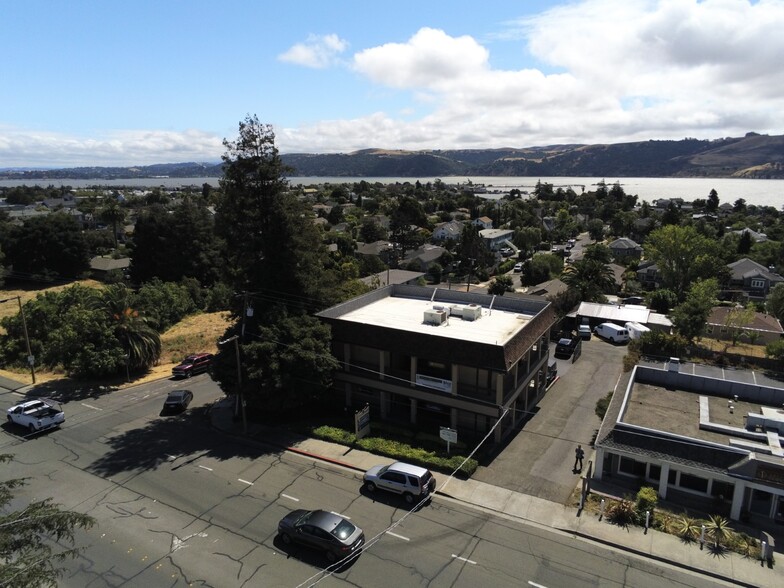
756,192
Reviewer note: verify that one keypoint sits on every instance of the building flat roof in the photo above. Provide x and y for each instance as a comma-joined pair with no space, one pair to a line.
493,327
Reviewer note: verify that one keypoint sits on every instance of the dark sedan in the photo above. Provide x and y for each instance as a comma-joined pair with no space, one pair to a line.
178,400
325,531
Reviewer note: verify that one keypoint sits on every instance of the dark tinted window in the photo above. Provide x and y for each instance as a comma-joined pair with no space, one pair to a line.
394,477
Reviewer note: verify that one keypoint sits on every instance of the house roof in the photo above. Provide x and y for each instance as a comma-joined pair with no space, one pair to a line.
624,243
496,233
720,315
548,288
426,253
621,313
747,268
373,248
105,264
393,276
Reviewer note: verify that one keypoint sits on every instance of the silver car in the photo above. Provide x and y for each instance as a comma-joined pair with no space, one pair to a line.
413,482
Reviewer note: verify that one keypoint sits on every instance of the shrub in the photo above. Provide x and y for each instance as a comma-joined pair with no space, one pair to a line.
647,498
602,404
688,528
622,512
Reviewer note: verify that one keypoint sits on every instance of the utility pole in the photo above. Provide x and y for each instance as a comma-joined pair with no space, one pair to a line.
240,399
30,358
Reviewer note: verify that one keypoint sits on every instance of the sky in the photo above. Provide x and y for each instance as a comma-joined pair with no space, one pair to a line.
105,82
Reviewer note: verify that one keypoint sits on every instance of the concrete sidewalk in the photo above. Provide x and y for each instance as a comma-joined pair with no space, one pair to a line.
662,547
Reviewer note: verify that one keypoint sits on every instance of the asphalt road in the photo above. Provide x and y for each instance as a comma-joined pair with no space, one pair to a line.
179,504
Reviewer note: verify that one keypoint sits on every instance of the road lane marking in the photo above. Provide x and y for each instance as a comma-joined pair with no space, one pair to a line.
91,406
245,482
463,559
399,536
535,585
340,515
205,468
290,497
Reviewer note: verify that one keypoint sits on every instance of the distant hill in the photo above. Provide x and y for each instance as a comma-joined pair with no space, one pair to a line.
752,156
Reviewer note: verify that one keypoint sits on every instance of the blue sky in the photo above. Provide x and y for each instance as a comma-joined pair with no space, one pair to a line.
137,82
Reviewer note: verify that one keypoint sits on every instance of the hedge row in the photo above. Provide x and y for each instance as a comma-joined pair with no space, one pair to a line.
432,459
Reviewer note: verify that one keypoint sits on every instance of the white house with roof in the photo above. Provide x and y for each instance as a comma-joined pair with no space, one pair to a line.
483,222
496,238
449,230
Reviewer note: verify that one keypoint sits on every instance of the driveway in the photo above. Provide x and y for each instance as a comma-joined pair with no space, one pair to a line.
539,459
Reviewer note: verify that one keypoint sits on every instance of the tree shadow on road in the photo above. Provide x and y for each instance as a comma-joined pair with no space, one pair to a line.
176,439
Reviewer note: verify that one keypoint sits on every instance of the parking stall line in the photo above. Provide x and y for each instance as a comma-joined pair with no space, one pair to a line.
463,559
245,482
289,497
399,536
205,468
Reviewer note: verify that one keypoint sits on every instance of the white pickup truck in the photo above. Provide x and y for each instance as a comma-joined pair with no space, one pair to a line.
37,415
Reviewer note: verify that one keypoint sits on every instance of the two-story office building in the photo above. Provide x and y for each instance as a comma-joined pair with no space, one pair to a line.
432,357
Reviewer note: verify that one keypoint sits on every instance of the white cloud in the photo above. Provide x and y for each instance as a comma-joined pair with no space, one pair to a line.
618,70
318,52
30,148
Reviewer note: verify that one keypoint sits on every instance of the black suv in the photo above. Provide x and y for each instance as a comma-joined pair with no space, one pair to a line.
192,365
566,346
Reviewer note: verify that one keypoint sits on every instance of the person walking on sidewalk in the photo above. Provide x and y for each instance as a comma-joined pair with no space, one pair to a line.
579,454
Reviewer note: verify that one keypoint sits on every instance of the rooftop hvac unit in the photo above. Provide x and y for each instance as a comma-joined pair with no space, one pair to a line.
435,317
455,310
472,312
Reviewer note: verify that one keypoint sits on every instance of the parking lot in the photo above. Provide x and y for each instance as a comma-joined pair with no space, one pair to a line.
538,460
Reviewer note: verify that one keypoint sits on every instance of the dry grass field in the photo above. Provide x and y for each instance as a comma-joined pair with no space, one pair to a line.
197,333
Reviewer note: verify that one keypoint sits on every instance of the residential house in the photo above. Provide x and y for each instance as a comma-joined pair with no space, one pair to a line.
382,249
432,357
728,323
423,257
709,439
483,222
100,266
449,230
594,313
497,238
648,275
392,276
755,236
624,249
750,280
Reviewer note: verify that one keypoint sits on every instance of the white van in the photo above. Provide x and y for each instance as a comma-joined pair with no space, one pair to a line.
612,332
636,330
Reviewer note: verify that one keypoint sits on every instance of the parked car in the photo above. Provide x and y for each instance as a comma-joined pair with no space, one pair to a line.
552,371
413,482
324,531
177,400
566,346
36,415
192,365
518,267
612,332
585,332
506,251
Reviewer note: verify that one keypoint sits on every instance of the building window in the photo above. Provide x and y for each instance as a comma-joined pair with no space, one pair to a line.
758,284
631,467
722,490
695,483
672,477
654,472
709,329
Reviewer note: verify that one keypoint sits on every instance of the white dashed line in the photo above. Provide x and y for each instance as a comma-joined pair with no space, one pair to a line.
535,585
340,515
290,497
245,482
398,536
91,406
463,559
205,468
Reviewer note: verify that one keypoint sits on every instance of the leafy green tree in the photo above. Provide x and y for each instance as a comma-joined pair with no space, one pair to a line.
164,304
745,243
690,316
501,285
683,256
271,243
662,300
472,251
598,252
36,538
775,350
541,268
51,245
591,278
775,302
371,231
595,228
712,205
527,238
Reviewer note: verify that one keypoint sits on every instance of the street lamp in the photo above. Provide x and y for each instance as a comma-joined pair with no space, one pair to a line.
241,400
30,356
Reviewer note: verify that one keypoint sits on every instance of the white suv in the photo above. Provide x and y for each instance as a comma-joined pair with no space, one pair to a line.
413,482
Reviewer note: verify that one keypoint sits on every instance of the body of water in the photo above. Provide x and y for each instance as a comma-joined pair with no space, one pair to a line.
757,192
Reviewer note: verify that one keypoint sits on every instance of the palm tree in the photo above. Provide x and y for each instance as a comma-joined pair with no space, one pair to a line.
113,213
142,343
719,528
591,278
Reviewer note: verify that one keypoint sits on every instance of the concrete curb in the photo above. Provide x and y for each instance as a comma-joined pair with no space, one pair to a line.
671,562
